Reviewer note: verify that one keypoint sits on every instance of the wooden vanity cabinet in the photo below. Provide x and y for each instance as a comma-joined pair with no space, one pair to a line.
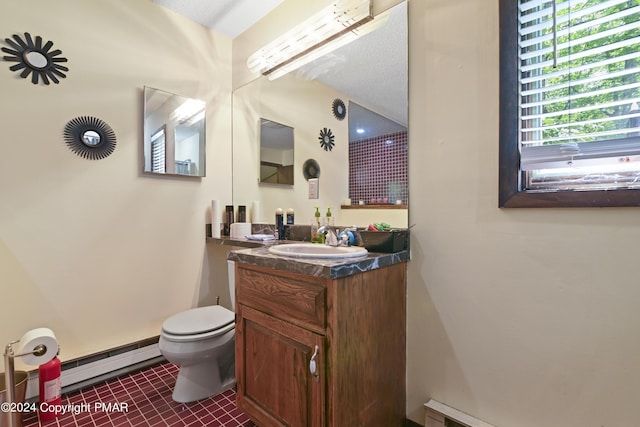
353,330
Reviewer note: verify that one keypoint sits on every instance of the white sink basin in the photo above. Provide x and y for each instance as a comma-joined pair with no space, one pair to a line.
316,250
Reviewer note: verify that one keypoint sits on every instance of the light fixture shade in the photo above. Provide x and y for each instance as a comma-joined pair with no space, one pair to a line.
337,24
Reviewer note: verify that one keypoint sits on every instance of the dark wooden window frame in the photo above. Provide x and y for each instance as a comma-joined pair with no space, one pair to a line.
511,194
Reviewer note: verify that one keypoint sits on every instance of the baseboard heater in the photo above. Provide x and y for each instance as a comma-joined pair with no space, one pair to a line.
440,415
86,371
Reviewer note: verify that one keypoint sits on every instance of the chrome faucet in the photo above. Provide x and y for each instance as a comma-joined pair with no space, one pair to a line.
331,235
335,238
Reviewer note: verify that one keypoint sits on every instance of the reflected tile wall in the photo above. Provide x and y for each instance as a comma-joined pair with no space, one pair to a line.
378,169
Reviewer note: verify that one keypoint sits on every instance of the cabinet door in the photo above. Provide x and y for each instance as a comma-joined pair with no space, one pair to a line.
275,384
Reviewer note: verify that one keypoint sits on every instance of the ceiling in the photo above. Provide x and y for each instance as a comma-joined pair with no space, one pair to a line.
228,17
381,86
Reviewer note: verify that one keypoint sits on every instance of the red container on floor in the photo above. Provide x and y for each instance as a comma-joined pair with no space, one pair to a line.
50,390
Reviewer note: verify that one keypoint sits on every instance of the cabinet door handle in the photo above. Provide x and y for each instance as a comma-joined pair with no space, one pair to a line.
312,363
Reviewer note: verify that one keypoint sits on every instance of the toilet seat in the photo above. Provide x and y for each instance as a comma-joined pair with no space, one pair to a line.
199,323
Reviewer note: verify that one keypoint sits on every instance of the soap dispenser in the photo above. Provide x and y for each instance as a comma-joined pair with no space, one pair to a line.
329,220
315,224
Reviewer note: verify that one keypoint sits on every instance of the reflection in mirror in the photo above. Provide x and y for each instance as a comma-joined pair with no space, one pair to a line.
91,138
35,59
158,161
276,153
310,169
378,158
372,72
174,134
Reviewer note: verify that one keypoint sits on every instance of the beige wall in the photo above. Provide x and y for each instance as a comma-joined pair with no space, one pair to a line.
522,318
93,249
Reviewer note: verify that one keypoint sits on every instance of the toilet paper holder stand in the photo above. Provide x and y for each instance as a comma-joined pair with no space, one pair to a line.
9,371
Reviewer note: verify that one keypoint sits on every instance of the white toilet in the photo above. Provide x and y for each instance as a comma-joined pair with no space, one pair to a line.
202,342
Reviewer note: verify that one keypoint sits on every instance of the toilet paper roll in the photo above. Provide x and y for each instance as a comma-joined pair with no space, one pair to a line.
31,340
240,229
255,212
216,218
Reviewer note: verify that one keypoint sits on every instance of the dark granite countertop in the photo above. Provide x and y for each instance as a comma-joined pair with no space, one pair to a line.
328,268
233,241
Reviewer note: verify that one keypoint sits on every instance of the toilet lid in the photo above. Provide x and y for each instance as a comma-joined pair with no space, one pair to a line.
198,320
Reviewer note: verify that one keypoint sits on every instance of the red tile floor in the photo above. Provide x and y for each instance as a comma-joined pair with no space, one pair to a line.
148,397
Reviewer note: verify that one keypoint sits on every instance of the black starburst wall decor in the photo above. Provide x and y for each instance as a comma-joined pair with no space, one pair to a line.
90,137
339,109
35,58
326,139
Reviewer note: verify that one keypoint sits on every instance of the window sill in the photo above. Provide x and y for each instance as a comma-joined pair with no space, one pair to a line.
572,199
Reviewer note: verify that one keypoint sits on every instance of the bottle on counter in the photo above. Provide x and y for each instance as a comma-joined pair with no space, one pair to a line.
316,223
228,220
329,220
279,232
290,216
242,213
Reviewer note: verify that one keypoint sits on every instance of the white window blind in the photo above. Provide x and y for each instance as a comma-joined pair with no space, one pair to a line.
579,82
158,161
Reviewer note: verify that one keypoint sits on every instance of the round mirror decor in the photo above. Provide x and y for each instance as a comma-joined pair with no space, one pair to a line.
310,169
338,108
90,137
326,139
35,59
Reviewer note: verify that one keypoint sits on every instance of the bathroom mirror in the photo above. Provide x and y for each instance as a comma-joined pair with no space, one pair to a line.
276,153
35,57
371,71
174,134
90,137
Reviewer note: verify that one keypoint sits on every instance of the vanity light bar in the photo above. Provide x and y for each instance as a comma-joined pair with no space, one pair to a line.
337,23
327,48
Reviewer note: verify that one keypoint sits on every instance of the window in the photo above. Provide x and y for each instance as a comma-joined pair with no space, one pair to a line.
158,160
569,103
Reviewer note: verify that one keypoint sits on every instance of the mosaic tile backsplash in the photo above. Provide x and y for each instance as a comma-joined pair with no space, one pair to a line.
379,169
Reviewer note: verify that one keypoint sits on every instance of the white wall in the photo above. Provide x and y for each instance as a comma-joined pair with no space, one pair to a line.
522,318
94,249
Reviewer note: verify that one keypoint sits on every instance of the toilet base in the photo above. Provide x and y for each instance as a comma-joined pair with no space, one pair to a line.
200,381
